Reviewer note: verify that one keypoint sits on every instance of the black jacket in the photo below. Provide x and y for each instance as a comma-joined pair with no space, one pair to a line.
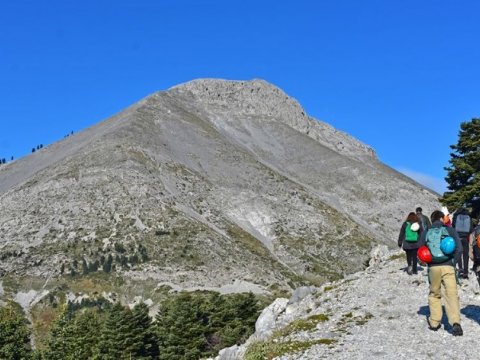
422,219
453,234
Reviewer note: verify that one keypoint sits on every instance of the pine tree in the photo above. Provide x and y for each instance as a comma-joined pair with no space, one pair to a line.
85,267
181,328
232,319
60,340
144,345
463,176
107,265
14,333
117,340
85,334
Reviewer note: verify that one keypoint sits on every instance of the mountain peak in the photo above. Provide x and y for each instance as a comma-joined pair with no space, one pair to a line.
259,98
254,96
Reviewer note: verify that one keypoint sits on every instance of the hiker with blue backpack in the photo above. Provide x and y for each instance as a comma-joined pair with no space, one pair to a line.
442,244
408,239
462,223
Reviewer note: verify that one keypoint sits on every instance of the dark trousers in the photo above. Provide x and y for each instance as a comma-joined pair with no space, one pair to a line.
462,259
412,259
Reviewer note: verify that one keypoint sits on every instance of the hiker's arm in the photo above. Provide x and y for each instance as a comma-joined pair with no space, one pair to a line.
470,246
401,236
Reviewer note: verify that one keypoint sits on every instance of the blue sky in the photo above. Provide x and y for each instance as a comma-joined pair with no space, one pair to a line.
398,75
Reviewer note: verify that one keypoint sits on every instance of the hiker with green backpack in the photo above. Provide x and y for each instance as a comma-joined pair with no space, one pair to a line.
441,271
408,239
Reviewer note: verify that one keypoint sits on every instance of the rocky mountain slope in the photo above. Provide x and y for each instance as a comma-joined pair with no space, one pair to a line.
379,313
222,185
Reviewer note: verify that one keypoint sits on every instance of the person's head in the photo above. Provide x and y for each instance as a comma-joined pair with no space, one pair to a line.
412,217
418,210
437,215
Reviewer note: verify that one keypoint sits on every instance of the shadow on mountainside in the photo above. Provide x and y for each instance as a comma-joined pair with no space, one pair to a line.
472,312
425,310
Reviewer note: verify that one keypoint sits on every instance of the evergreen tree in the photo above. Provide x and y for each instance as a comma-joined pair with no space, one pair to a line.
463,176
232,319
144,345
181,327
14,333
60,340
86,334
107,265
117,337
85,267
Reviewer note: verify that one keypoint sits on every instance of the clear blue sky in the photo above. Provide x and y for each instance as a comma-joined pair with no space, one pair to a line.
400,75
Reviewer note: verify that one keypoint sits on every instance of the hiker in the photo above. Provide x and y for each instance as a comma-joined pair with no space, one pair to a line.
408,240
423,220
462,223
474,249
447,219
442,272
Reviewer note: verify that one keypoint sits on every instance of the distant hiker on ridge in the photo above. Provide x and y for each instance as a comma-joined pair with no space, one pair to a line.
423,220
441,270
408,239
462,223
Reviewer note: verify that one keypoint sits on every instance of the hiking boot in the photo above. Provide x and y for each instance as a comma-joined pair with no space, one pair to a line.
409,270
457,330
434,328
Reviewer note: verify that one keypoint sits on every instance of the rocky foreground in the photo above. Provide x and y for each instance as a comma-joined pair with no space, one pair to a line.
378,313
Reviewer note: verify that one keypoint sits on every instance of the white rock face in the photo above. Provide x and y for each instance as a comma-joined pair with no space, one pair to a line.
378,254
265,323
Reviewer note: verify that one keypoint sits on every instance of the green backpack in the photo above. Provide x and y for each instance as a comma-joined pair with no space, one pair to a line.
433,239
410,235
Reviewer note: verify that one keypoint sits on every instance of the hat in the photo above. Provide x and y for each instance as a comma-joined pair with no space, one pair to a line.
445,210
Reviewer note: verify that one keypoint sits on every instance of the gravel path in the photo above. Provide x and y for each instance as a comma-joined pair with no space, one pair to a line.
397,329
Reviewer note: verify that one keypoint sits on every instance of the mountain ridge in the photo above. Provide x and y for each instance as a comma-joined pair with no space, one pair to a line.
202,185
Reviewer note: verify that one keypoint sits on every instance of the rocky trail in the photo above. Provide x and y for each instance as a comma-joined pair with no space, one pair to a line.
379,313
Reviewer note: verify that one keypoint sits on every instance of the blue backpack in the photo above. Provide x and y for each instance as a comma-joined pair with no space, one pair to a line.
433,240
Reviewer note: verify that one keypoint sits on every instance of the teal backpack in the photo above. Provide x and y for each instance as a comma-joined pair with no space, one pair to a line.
433,239
410,235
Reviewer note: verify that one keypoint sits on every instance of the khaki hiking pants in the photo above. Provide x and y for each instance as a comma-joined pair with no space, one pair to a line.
445,275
